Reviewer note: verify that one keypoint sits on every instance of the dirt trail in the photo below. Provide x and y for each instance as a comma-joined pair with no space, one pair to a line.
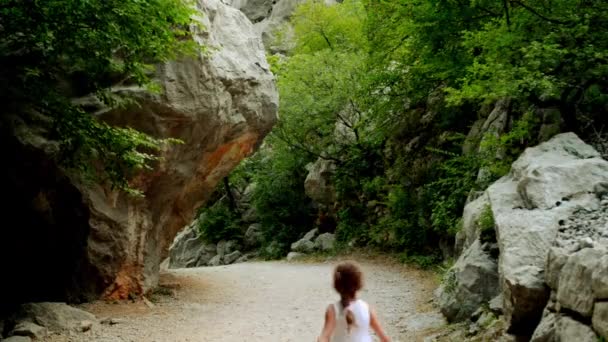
264,301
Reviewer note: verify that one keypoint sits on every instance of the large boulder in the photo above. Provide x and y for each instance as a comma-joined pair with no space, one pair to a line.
471,282
546,185
303,246
220,103
576,270
325,242
254,236
56,317
232,257
470,223
306,243
318,184
189,249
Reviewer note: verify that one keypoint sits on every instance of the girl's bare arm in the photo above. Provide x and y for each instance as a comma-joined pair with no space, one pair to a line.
329,326
375,324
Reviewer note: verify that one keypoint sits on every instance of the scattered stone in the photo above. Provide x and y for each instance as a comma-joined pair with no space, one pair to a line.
294,255
325,242
243,258
227,247
253,235
303,246
148,303
56,317
311,234
496,305
111,321
232,257
472,281
216,261
86,326
189,249
29,329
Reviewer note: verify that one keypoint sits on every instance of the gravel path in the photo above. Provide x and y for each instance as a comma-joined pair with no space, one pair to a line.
264,301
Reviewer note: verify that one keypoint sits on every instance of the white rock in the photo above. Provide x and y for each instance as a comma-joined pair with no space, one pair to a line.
294,255
29,329
325,242
575,290
528,205
600,319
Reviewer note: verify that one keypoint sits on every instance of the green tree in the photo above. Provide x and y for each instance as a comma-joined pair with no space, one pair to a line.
58,50
320,82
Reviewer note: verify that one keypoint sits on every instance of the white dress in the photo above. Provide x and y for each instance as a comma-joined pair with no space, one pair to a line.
359,331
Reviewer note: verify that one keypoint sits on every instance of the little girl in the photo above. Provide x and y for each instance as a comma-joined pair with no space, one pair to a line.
350,319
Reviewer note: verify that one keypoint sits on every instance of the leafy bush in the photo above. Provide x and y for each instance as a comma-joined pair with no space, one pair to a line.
283,208
486,225
219,222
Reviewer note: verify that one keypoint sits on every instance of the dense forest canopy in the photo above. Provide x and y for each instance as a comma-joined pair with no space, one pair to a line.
388,90
393,94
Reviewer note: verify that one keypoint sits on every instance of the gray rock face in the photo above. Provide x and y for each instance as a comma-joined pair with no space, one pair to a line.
318,184
571,330
232,257
574,290
546,330
470,227
216,261
546,185
253,235
472,281
311,234
221,104
325,242
556,327
189,249
56,317
294,256
227,247
303,246
496,124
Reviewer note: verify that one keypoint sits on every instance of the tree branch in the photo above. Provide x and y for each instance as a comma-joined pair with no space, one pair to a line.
533,11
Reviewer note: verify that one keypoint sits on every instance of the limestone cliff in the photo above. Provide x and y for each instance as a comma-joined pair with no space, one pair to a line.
221,104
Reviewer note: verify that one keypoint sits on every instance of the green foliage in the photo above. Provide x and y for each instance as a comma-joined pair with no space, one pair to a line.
218,223
282,206
412,77
449,281
425,261
319,82
486,225
455,178
58,50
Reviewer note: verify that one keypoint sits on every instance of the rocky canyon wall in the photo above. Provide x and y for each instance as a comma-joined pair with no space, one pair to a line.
89,240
